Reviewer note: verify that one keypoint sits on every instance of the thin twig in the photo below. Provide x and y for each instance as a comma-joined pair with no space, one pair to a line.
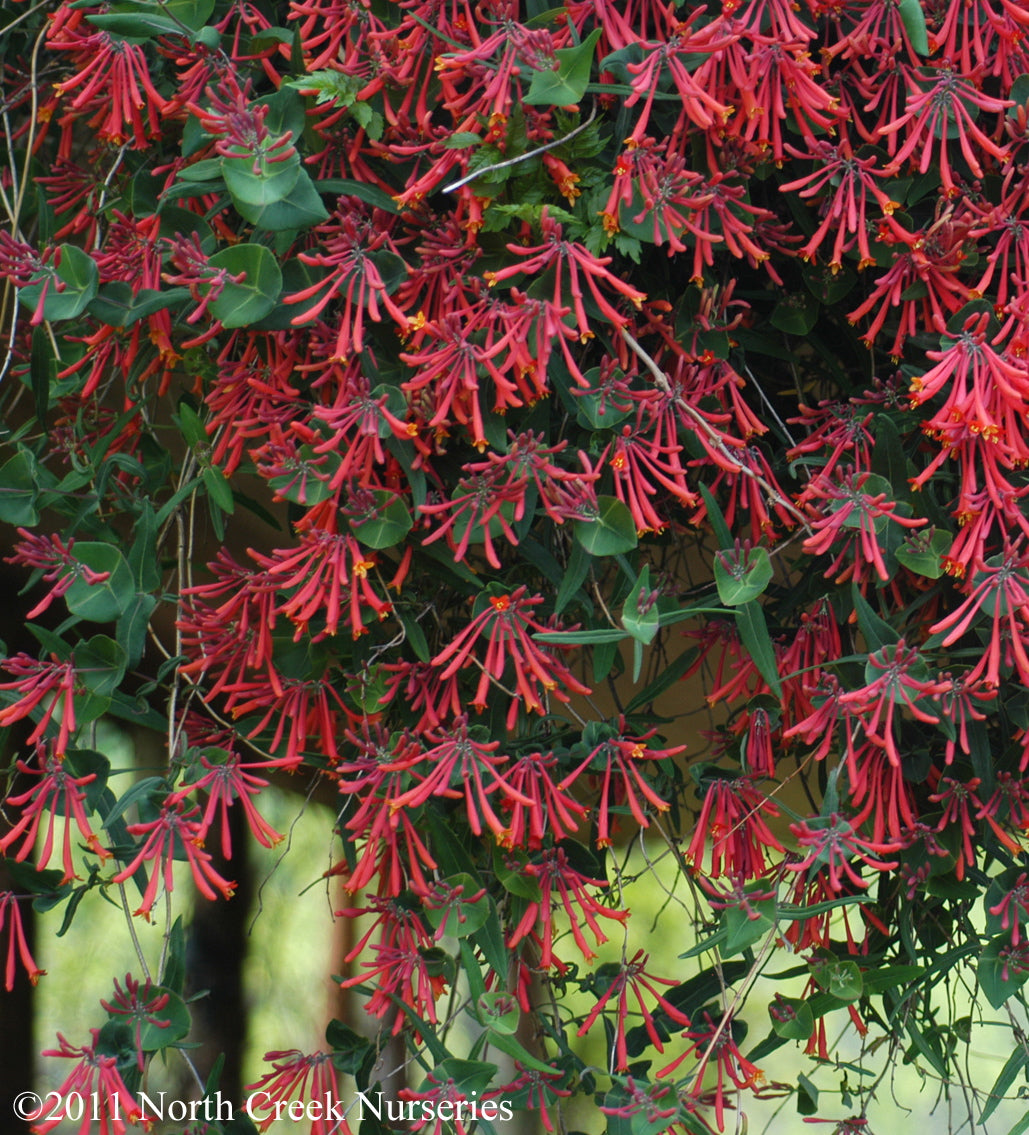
456,185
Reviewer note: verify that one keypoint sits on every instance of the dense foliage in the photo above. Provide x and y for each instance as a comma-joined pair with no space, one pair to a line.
578,365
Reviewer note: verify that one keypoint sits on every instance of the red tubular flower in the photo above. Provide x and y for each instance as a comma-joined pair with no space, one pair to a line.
930,257
225,782
835,844
393,849
112,84
778,78
36,681
999,588
58,564
957,700
571,258
295,710
847,182
622,781
458,762
655,1102
902,682
732,819
17,944
631,978
540,1088
818,930
326,578
958,799
141,1006
507,621
59,793
441,1109
1013,908
306,1077
173,831
879,791
95,1078
482,508
849,524
551,810
350,240
559,881
401,966
715,1041
937,100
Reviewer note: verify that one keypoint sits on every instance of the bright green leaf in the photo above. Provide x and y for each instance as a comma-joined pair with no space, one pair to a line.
238,305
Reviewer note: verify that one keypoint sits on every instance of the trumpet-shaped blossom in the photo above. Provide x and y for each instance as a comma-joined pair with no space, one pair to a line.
59,792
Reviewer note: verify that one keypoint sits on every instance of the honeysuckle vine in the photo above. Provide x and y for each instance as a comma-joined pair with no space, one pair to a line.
588,443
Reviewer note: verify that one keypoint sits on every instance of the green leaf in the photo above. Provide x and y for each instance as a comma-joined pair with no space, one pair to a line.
218,488
86,762
651,1119
515,882
998,977
807,1096
566,85
664,681
796,314
469,1076
78,274
750,621
597,410
459,917
507,1044
490,940
137,793
239,305
172,1022
300,208
100,663
714,514
131,629
174,975
142,558
116,304
369,194
498,1011
350,1050
742,931
100,602
581,638
18,490
877,632
611,533
42,371
913,18
741,576
136,25
383,521
926,1048
888,459
579,563
255,180
193,13
923,550
1013,1065
414,634
839,978
640,615
792,1018
190,425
